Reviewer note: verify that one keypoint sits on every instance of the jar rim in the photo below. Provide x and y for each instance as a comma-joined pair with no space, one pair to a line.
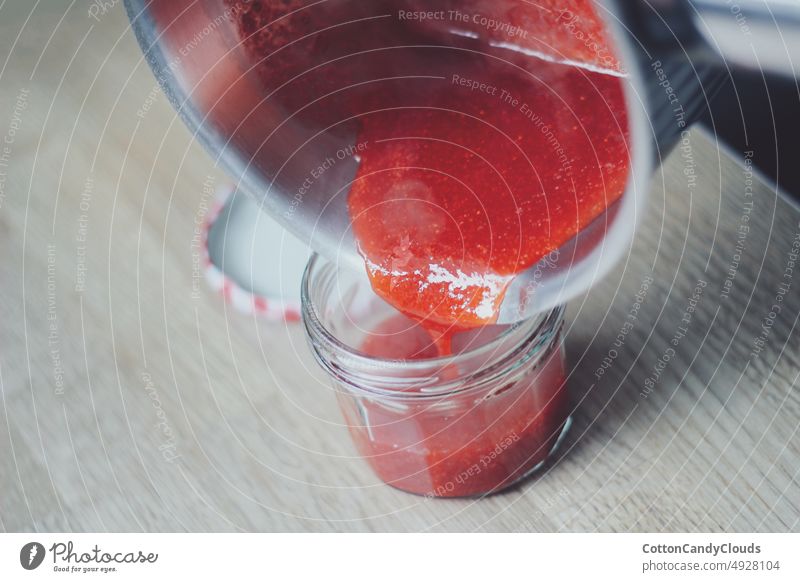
538,326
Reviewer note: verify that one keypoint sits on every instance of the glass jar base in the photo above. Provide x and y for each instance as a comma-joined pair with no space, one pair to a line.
526,475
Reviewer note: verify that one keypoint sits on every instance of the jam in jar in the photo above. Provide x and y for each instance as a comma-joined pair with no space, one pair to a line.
467,424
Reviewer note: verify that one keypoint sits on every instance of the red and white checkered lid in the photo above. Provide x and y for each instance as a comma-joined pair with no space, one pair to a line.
261,274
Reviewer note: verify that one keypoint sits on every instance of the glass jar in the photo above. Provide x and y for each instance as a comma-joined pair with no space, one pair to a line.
468,424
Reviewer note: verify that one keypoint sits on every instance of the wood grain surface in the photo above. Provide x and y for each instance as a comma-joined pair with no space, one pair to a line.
130,402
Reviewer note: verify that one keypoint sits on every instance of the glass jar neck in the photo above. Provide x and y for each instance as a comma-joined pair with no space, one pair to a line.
511,347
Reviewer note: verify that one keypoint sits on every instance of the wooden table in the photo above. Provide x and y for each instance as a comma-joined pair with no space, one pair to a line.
130,404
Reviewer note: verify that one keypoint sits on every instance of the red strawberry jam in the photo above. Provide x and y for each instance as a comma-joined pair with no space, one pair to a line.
464,445
454,198
486,146
493,132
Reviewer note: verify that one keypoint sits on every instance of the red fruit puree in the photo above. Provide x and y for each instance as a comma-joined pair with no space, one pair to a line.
460,445
493,132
